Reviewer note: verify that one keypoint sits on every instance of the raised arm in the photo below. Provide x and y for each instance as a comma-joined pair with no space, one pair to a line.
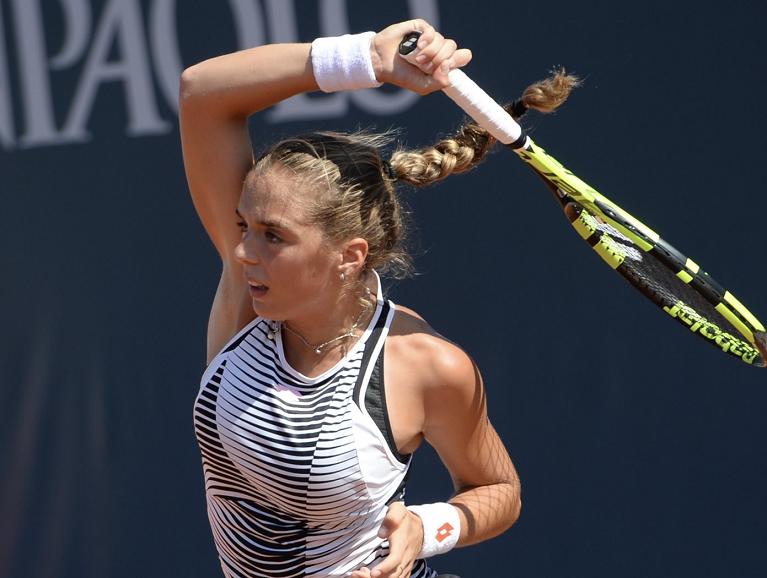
216,98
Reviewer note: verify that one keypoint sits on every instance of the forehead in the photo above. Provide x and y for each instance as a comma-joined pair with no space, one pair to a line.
274,196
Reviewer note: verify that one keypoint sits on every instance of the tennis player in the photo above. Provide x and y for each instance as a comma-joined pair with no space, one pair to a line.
318,389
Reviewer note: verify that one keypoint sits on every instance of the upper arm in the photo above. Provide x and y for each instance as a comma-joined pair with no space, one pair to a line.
216,98
456,423
217,157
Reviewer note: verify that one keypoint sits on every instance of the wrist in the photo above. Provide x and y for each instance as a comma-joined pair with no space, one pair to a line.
345,62
375,60
441,527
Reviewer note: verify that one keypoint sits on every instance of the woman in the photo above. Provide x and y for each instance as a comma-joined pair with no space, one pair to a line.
318,390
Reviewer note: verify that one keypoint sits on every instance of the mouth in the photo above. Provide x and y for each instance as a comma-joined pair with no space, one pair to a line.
257,290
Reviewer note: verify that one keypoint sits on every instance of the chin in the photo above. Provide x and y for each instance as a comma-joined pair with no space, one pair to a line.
266,312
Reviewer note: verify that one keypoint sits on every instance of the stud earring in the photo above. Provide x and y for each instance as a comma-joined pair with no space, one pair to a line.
343,277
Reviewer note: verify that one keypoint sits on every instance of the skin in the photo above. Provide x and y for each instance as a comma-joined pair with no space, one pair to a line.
261,231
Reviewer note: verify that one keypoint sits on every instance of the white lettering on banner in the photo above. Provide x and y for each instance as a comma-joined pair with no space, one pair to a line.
136,54
39,124
121,25
282,22
249,28
7,130
77,26
164,42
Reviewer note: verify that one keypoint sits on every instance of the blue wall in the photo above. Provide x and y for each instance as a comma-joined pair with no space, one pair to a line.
641,450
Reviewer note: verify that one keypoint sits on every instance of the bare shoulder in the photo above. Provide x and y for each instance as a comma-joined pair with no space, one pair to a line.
439,365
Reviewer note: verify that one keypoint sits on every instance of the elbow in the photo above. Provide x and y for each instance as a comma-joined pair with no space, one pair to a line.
514,508
191,85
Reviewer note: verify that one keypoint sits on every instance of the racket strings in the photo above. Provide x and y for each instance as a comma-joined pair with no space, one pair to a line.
681,300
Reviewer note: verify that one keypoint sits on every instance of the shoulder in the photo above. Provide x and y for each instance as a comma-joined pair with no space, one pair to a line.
440,367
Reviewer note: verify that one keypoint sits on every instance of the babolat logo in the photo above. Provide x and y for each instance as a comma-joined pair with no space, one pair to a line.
699,324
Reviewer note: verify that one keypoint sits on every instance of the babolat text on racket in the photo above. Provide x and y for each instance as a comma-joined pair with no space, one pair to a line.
671,280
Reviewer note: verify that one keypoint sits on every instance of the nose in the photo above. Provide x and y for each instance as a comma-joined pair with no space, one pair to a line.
243,253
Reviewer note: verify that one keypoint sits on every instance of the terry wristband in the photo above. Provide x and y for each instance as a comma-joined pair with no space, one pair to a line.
344,62
441,527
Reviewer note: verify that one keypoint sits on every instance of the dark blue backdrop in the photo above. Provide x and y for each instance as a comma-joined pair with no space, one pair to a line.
640,448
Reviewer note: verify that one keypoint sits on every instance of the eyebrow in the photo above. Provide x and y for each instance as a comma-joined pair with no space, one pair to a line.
267,223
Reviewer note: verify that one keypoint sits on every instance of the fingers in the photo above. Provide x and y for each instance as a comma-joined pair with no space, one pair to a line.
436,57
443,62
428,53
392,567
395,527
461,58
427,32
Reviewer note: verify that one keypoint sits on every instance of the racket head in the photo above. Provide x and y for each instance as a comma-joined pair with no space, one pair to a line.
676,284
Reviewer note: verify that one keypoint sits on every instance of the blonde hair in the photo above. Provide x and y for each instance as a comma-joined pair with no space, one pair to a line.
468,147
355,190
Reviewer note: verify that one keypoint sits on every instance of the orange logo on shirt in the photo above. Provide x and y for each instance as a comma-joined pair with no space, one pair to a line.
443,531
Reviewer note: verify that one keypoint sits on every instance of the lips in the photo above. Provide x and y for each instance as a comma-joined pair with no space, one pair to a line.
257,289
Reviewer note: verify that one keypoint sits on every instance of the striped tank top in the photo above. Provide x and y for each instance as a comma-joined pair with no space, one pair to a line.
298,471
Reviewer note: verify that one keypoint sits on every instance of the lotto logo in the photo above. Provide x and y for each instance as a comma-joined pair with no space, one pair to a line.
443,531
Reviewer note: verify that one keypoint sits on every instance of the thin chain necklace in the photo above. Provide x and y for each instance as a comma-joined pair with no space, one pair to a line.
318,348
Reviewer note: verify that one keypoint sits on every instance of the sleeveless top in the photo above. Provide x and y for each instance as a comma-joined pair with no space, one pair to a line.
298,471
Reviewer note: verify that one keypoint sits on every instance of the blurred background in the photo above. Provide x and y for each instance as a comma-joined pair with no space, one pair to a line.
640,449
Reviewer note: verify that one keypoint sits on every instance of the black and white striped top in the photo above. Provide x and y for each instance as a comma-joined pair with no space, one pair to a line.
298,471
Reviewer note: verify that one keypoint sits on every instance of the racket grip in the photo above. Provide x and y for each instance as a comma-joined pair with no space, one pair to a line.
472,99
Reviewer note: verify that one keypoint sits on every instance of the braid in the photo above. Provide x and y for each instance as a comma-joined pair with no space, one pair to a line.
470,145
453,155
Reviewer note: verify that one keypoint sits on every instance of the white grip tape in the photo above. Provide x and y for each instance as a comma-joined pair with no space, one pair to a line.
478,105
481,107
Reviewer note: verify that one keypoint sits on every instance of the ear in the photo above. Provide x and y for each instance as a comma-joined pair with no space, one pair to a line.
353,255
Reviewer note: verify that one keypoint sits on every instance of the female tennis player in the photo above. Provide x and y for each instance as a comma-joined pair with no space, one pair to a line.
318,390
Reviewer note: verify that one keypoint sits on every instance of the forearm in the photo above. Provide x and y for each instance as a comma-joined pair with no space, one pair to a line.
244,82
487,511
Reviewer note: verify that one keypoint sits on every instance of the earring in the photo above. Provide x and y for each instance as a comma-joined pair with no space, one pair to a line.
343,276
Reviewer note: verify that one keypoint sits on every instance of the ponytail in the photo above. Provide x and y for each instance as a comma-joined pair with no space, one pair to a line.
471,143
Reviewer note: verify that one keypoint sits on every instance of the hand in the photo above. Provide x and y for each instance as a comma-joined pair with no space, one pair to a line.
436,58
405,533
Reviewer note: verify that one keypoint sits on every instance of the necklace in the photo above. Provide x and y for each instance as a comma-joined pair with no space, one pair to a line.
318,348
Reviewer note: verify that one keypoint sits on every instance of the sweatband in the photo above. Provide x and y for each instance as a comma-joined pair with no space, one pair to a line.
344,62
441,527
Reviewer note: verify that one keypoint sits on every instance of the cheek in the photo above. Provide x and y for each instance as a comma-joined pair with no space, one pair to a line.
302,269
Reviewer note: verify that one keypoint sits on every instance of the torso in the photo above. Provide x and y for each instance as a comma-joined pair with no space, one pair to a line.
244,421
411,339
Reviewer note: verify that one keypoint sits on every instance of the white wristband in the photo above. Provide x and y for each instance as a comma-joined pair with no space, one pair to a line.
441,527
344,62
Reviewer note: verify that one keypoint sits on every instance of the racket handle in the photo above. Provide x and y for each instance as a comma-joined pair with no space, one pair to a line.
472,99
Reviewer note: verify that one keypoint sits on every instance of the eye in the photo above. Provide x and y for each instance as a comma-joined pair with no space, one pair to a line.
243,226
272,238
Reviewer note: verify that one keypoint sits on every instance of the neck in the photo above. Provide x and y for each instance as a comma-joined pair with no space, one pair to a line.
328,333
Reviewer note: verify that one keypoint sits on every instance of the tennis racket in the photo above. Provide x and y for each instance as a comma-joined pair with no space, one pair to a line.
670,279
